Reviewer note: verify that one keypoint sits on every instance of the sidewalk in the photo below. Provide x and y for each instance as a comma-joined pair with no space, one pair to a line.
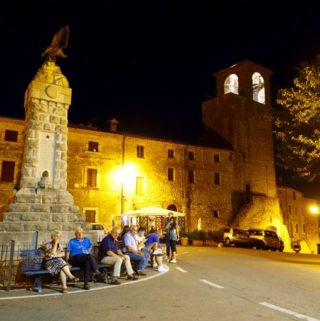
53,289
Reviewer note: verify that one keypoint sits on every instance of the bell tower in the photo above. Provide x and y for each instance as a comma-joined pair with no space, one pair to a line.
241,114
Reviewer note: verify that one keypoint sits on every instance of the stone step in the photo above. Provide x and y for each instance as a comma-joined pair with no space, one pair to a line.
43,217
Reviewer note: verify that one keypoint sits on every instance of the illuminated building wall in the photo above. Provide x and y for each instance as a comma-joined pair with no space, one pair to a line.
111,173
303,225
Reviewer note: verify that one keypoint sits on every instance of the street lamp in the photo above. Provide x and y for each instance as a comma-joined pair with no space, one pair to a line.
314,209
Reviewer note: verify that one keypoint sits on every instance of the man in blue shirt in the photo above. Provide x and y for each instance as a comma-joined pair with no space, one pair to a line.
79,255
109,253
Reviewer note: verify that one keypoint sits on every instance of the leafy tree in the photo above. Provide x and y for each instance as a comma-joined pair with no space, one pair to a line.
297,124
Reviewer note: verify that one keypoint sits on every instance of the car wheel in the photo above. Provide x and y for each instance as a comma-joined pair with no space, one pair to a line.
227,242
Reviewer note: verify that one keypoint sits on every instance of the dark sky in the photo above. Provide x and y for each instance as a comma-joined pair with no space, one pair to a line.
150,63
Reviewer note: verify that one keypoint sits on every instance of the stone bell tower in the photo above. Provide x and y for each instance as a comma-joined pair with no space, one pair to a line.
241,114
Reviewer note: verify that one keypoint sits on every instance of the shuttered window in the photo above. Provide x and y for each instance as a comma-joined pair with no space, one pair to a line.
7,171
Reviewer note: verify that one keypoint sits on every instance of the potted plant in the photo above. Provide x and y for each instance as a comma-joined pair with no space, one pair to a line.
213,238
197,237
184,240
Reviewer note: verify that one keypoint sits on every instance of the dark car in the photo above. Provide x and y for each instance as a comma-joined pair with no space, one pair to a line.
270,239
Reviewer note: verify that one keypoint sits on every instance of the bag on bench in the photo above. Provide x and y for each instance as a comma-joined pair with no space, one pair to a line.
31,260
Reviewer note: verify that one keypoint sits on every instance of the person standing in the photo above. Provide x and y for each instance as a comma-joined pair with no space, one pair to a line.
173,237
109,253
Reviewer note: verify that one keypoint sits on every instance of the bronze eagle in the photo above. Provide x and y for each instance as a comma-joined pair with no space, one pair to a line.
59,42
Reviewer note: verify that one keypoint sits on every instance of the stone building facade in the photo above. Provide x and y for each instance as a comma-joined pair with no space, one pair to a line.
299,217
110,173
227,178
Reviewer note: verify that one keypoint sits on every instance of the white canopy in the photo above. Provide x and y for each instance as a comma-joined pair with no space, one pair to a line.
153,211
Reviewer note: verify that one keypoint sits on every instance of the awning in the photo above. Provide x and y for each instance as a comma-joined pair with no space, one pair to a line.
153,211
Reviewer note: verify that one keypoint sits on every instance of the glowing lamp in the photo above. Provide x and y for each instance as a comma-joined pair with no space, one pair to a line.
314,209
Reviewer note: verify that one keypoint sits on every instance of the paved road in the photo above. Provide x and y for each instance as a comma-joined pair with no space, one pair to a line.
206,284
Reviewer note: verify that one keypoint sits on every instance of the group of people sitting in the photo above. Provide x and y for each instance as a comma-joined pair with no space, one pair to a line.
131,245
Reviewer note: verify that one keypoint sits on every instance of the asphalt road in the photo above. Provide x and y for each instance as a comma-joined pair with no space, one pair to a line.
225,284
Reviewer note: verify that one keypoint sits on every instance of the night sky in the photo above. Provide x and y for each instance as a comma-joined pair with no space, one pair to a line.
150,63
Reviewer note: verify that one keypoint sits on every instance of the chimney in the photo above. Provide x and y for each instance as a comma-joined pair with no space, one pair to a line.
113,125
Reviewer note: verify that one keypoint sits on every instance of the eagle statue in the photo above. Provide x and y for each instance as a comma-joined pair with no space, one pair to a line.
59,42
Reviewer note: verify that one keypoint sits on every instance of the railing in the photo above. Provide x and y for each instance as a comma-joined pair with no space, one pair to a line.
10,260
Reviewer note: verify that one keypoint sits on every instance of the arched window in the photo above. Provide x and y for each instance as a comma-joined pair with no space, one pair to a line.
231,84
258,90
172,207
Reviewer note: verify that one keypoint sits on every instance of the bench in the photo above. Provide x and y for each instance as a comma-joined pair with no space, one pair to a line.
31,267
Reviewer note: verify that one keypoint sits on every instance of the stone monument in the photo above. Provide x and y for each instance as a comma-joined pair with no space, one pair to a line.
43,203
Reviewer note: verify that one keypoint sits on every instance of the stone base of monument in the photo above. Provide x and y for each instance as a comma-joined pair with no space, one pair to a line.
42,210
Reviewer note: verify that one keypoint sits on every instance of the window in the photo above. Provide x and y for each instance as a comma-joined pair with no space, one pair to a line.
92,177
294,196
191,155
289,209
170,174
297,230
11,136
215,213
90,216
304,228
93,147
7,171
139,185
216,158
191,177
231,84
170,153
217,178
140,151
258,91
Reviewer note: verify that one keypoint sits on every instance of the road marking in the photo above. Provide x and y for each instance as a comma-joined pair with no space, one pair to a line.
181,270
104,287
212,284
283,310
184,253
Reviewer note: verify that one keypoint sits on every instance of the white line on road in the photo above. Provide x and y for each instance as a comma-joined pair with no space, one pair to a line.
212,284
181,270
283,310
184,253
104,287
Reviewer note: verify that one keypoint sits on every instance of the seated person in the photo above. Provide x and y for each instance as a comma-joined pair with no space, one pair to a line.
79,255
109,253
54,262
152,244
131,249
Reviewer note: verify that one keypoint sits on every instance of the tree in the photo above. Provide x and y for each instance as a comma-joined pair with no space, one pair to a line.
297,124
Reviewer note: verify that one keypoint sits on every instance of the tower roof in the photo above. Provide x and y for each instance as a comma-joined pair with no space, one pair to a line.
244,64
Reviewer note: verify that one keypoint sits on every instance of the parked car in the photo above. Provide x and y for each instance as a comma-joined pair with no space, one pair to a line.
270,239
239,237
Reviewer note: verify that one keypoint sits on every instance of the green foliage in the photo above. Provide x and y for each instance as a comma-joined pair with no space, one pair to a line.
216,236
297,129
196,235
